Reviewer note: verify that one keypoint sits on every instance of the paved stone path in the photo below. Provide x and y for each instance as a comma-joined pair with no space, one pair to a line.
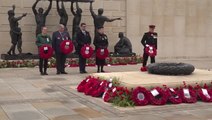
25,95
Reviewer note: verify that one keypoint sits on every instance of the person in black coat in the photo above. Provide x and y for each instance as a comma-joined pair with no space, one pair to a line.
100,41
57,39
83,38
149,39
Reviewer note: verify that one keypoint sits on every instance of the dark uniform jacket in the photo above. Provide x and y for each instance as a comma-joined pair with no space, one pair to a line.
82,39
57,38
149,38
100,41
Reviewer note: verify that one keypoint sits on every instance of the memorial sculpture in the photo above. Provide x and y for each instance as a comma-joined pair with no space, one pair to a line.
40,15
99,19
15,31
123,46
62,13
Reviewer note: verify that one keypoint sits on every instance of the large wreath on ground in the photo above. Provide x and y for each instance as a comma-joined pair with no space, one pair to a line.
174,95
188,95
205,94
171,68
45,51
102,53
151,51
158,96
86,51
66,46
140,96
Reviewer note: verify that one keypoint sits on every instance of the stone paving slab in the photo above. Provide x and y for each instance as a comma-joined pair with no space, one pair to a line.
23,112
53,109
3,115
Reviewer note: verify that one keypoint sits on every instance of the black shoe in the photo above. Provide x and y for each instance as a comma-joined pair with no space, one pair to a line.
58,73
64,73
82,72
102,71
45,73
98,71
42,73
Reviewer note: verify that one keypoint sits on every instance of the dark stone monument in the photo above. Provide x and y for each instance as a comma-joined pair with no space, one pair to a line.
40,15
15,31
62,13
123,46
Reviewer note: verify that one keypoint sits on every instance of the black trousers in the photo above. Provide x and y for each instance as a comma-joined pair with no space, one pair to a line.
145,58
82,63
43,64
60,62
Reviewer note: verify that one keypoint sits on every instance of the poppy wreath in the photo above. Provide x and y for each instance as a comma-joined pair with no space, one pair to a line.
94,84
81,86
109,94
99,91
151,51
102,53
140,96
158,96
93,88
174,96
66,46
188,95
143,69
45,51
86,51
205,94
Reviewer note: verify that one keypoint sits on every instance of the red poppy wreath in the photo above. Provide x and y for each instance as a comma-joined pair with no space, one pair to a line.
66,46
140,96
86,51
45,51
102,53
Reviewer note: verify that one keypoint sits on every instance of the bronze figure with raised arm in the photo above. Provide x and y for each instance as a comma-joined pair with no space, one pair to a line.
40,16
62,13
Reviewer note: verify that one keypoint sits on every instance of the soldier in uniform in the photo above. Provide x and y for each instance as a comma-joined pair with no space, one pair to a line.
43,39
100,41
83,38
149,39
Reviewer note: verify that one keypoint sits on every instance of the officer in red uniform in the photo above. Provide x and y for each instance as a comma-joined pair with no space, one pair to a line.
149,39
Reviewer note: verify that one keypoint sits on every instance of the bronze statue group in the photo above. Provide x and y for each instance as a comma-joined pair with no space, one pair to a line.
80,36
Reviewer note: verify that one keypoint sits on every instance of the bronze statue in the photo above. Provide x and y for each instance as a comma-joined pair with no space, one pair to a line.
123,46
40,16
77,18
99,20
62,13
15,31
76,21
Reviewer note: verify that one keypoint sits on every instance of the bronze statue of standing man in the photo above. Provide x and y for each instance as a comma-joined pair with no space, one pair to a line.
76,22
40,16
62,13
77,18
15,31
99,19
